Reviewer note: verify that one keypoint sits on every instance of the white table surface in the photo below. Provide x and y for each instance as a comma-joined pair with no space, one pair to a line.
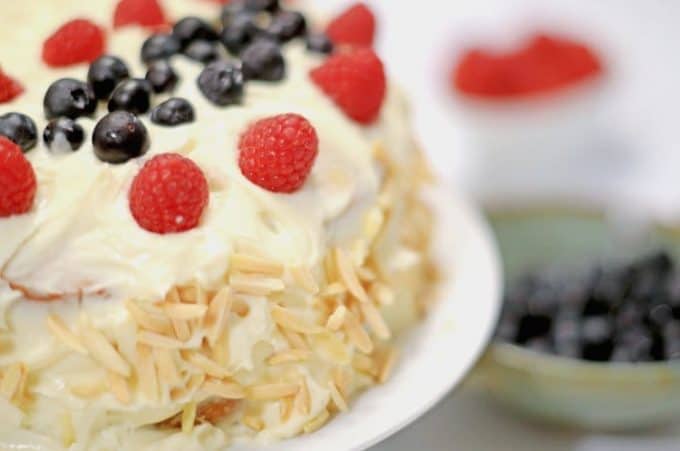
419,41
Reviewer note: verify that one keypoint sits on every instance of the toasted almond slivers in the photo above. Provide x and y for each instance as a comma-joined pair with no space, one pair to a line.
218,315
334,289
119,388
168,374
373,222
146,372
303,401
331,348
220,350
337,397
305,279
286,408
240,307
272,392
253,422
357,335
340,379
337,318
287,320
317,423
173,296
375,320
226,390
185,311
92,389
253,264
158,341
366,274
289,356
294,339
11,381
182,329
101,350
189,417
349,276
389,361
382,294
148,320
63,333
255,284
365,364
210,367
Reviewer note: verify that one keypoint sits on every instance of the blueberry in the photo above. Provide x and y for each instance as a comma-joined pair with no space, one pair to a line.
202,51
319,43
287,25
596,335
629,315
659,316
63,135
119,137
671,334
162,76
190,29
261,5
533,326
69,98
239,33
262,60
160,46
232,10
658,350
19,129
133,95
104,75
221,82
174,111
633,345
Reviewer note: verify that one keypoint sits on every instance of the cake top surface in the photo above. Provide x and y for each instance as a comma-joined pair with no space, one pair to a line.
80,238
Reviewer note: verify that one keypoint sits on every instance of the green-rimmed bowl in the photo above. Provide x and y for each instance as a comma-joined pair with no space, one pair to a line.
610,396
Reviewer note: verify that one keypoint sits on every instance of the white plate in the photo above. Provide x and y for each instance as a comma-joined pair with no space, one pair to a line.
440,351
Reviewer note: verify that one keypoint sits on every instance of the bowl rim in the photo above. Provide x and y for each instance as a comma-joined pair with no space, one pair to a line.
521,356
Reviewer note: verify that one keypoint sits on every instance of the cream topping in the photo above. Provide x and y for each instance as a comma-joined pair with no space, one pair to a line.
80,239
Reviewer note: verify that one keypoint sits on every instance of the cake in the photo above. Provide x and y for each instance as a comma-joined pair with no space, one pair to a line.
211,219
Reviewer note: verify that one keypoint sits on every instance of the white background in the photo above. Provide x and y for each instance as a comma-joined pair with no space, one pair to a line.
641,109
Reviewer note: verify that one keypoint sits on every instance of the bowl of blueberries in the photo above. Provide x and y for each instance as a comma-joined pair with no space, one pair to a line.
590,331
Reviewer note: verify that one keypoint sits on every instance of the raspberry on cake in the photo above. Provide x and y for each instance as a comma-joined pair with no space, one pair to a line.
17,180
77,41
277,153
145,13
9,88
355,27
210,234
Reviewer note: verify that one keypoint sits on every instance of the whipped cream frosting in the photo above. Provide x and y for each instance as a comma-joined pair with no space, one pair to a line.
80,243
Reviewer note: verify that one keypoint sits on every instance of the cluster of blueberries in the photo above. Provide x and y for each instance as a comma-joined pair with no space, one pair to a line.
252,32
618,313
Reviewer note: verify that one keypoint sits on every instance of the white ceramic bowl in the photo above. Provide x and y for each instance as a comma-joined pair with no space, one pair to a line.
439,352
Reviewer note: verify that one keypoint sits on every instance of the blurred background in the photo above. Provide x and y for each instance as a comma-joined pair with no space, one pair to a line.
559,118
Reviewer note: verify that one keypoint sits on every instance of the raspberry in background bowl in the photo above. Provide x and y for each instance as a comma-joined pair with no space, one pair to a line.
529,109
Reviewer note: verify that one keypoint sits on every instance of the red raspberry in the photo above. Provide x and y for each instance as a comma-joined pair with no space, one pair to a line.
17,180
77,41
356,83
9,88
355,26
145,13
169,194
277,153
